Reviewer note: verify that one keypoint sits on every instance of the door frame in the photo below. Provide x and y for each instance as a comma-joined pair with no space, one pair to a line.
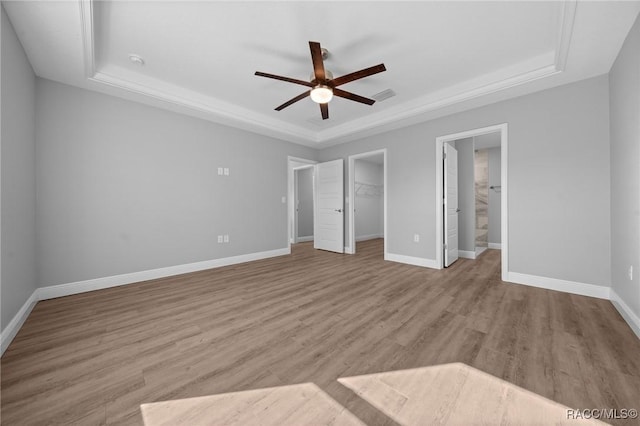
294,237
351,248
504,220
290,193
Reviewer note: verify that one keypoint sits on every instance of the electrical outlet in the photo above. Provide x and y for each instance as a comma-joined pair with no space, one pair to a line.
226,171
226,238
220,240
220,171
631,273
284,200
416,238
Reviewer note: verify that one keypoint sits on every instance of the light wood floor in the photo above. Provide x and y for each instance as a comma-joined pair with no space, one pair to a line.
313,317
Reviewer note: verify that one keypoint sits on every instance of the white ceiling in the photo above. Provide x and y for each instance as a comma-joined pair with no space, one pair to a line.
441,57
488,140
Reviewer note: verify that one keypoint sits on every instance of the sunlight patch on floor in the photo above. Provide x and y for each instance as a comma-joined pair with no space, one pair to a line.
456,394
448,394
302,404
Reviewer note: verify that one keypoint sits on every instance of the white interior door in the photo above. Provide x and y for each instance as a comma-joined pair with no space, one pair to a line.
450,204
329,219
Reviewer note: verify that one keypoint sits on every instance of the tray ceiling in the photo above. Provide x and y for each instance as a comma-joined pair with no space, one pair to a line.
199,57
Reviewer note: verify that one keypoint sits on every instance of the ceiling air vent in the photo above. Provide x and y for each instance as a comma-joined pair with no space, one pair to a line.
385,94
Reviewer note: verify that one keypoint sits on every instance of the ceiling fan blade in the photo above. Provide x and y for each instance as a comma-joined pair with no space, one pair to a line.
294,100
358,75
352,96
287,79
324,109
316,57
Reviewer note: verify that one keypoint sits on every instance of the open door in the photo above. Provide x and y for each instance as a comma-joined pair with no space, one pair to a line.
329,219
450,205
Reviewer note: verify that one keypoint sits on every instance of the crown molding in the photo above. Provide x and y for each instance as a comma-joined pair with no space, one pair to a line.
228,114
216,111
381,121
88,37
567,18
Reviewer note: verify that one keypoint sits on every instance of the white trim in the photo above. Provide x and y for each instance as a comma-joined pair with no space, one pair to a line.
378,123
304,239
625,311
51,292
228,114
88,37
11,330
568,15
495,246
440,141
214,110
369,237
410,260
480,250
467,254
591,290
152,274
351,198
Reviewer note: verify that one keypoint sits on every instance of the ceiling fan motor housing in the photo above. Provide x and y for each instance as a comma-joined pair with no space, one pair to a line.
327,74
322,85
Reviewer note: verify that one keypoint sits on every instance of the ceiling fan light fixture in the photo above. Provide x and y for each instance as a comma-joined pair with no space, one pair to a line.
321,94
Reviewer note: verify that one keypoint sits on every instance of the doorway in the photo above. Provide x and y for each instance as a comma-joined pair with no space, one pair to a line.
293,164
303,203
367,199
485,185
478,215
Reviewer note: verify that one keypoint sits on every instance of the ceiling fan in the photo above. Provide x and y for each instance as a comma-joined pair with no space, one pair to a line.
322,85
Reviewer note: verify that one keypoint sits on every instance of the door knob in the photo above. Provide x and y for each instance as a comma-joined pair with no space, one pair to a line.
457,210
338,210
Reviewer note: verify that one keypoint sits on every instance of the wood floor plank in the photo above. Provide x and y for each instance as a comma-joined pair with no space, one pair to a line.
310,317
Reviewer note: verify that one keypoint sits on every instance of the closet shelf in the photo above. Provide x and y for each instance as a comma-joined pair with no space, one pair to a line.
364,189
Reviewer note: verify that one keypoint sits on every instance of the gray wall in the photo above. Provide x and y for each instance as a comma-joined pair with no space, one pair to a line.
495,197
624,86
370,202
305,201
17,178
559,180
466,196
124,187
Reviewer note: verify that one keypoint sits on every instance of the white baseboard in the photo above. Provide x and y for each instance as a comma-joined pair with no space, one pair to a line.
410,260
629,316
348,250
583,289
495,246
43,293
305,239
60,290
467,254
10,331
368,237
50,292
